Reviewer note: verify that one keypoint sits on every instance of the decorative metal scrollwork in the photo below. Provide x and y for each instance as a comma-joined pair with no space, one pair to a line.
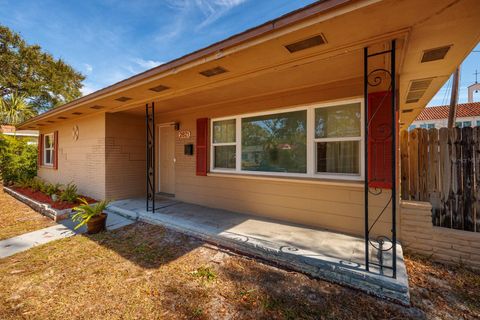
288,249
381,240
382,243
374,80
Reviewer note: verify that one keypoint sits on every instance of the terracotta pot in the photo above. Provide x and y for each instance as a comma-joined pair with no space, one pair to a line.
97,223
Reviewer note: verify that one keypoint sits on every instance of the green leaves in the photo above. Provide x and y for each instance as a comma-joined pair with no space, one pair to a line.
18,159
45,81
70,193
14,109
86,211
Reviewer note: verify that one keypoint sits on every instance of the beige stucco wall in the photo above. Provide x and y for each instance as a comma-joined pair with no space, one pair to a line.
125,156
337,205
81,161
441,244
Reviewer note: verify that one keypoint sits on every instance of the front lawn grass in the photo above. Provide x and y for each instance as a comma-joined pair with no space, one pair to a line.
17,218
148,272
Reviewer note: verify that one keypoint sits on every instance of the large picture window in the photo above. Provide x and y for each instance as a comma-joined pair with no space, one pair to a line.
323,140
48,147
275,142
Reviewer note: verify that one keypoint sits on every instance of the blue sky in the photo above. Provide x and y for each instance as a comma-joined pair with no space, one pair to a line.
110,40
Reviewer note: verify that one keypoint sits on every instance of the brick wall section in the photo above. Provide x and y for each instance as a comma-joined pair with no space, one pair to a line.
444,245
125,156
80,161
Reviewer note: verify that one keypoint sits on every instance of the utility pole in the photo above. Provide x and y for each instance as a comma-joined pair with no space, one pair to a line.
452,112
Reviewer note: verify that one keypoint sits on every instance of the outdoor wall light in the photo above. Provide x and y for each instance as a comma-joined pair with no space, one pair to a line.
176,125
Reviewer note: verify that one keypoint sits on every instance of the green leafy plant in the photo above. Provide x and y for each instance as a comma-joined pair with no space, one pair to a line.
86,211
51,189
18,159
23,182
37,184
70,193
205,273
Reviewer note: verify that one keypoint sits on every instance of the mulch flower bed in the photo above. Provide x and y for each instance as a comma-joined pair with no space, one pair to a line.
43,198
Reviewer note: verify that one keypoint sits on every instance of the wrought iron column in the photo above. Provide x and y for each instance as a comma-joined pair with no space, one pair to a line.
150,156
381,241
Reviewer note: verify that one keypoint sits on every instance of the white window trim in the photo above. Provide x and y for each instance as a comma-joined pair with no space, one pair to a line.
311,141
51,149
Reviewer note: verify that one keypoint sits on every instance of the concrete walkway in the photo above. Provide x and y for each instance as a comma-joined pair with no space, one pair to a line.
63,229
320,253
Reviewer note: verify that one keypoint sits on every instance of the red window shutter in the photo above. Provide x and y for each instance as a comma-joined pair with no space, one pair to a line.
380,140
55,150
40,150
202,146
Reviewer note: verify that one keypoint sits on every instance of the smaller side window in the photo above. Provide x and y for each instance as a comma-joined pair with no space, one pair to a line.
224,144
431,126
48,146
467,124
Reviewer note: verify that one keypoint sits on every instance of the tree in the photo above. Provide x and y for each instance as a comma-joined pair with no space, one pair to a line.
14,109
25,69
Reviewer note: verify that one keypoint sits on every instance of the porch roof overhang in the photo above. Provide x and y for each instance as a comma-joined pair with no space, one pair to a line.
258,62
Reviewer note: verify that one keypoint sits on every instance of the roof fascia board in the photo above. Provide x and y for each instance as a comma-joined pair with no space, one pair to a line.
300,19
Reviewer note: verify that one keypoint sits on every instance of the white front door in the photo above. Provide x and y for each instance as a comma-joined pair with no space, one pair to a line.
167,159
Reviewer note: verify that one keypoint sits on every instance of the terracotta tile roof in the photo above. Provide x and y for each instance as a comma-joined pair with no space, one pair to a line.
471,109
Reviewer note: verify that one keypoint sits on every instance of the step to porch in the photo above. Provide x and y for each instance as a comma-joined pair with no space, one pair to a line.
323,254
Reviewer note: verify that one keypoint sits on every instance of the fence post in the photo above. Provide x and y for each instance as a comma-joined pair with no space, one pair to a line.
405,173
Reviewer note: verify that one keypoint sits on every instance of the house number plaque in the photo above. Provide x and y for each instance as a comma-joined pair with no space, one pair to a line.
184,134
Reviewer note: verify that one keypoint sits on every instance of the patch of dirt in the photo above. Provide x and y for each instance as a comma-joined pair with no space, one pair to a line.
17,218
149,272
443,292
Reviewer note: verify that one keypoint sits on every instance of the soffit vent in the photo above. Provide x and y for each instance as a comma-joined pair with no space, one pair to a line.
213,72
435,54
40,124
306,44
77,113
50,121
417,89
97,107
159,88
123,99
407,110
62,118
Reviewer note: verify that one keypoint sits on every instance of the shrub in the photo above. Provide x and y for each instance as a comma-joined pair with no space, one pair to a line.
37,184
69,194
18,159
51,189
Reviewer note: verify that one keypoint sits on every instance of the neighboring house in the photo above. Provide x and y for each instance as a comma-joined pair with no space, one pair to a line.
269,121
468,115
31,136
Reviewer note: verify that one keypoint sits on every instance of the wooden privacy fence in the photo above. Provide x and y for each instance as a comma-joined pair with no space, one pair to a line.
442,166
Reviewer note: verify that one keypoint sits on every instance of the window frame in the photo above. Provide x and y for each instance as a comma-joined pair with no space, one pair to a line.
50,149
311,142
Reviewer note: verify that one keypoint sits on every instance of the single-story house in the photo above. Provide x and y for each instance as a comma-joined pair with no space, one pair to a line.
271,121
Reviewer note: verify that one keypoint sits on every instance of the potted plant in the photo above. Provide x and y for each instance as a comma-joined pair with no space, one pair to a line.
91,214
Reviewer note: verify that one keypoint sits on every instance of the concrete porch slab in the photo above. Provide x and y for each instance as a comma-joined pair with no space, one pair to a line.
324,254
